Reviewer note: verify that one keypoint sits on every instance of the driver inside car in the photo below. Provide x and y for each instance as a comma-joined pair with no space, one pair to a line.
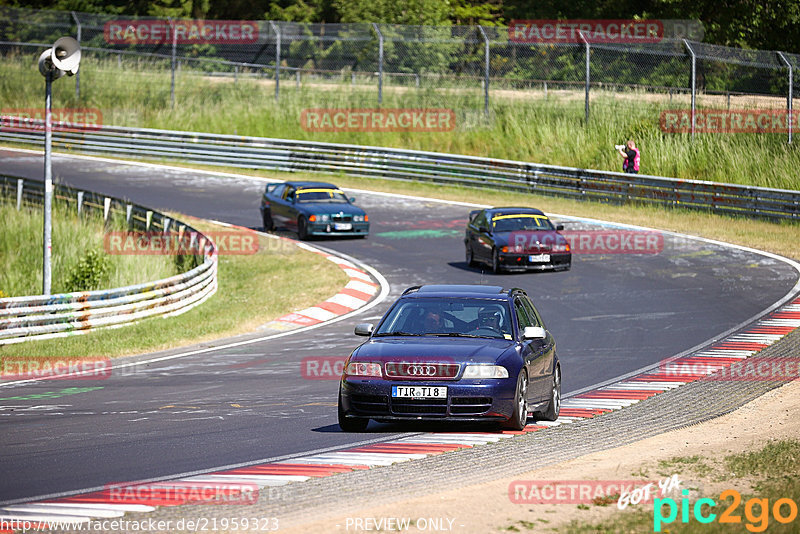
489,318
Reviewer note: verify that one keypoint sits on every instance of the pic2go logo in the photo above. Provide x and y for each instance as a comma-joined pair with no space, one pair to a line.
756,511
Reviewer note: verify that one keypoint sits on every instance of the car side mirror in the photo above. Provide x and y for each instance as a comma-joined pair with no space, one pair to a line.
559,227
534,332
364,329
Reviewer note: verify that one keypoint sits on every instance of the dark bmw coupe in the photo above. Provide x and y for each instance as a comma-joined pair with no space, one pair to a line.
515,239
312,209
453,352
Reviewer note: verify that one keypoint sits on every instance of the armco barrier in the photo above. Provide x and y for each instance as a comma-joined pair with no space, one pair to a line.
50,316
398,164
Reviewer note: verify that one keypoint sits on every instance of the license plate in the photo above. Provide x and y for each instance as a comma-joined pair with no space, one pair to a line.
342,226
420,392
536,258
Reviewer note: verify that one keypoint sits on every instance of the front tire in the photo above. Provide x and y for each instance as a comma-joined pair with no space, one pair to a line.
350,424
302,228
266,218
470,256
553,408
496,268
519,418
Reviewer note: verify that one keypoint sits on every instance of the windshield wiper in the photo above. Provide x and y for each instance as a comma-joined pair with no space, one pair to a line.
458,334
396,333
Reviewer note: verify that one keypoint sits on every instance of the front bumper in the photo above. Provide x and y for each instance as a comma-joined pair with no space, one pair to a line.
328,228
521,262
467,400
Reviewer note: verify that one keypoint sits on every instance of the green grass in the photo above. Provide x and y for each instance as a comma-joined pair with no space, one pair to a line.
78,259
525,125
253,290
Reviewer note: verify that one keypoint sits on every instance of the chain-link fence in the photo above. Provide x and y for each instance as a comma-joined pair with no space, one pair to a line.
473,66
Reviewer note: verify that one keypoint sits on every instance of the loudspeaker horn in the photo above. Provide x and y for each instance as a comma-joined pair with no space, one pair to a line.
66,55
46,65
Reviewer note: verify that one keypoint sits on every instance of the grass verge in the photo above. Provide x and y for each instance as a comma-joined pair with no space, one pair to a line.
526,124
79,262
253,289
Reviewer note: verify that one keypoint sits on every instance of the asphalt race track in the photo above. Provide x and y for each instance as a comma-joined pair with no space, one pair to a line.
611,314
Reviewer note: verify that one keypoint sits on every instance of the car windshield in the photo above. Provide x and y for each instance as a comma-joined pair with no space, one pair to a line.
448,317
511,223
320,195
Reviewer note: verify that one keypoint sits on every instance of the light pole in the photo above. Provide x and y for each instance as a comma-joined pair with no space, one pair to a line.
63,58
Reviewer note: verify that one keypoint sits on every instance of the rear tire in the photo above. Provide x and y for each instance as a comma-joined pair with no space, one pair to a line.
350,424
519,418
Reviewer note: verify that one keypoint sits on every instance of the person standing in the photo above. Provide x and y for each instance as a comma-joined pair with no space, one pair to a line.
632,157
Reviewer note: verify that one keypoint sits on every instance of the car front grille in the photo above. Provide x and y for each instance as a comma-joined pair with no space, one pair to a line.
341,218
419,406
421,370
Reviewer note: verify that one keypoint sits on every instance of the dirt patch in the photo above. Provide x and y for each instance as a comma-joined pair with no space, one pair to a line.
487,507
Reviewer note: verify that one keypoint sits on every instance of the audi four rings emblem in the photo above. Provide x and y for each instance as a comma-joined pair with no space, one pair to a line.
421,370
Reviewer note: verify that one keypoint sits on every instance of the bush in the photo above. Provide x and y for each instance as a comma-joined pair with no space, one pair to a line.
90,273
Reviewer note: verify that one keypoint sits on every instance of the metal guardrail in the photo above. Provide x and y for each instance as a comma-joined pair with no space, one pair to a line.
414,165
51,316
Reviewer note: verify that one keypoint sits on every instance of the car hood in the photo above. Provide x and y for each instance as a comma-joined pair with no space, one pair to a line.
330,207
439,349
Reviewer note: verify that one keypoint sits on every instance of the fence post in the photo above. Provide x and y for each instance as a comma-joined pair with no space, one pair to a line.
788,96
174,52
485,71
80,202
77,74
20,184
277,58
380,62
588,78
694,85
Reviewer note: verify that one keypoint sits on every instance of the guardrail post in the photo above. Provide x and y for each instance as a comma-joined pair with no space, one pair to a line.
277,58
149,220
166,223
545,89
380,62
588,78
106,208
486,71
297,78
694,85
174,53
80,202
788,96
77,74
20,184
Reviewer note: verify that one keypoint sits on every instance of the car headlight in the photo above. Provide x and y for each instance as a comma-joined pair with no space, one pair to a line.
485,371
324,217
561,247
358,218
363,369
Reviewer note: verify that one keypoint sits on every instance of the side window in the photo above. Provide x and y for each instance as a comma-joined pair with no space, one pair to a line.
276,190
522,316
480,220
532,313
289,194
